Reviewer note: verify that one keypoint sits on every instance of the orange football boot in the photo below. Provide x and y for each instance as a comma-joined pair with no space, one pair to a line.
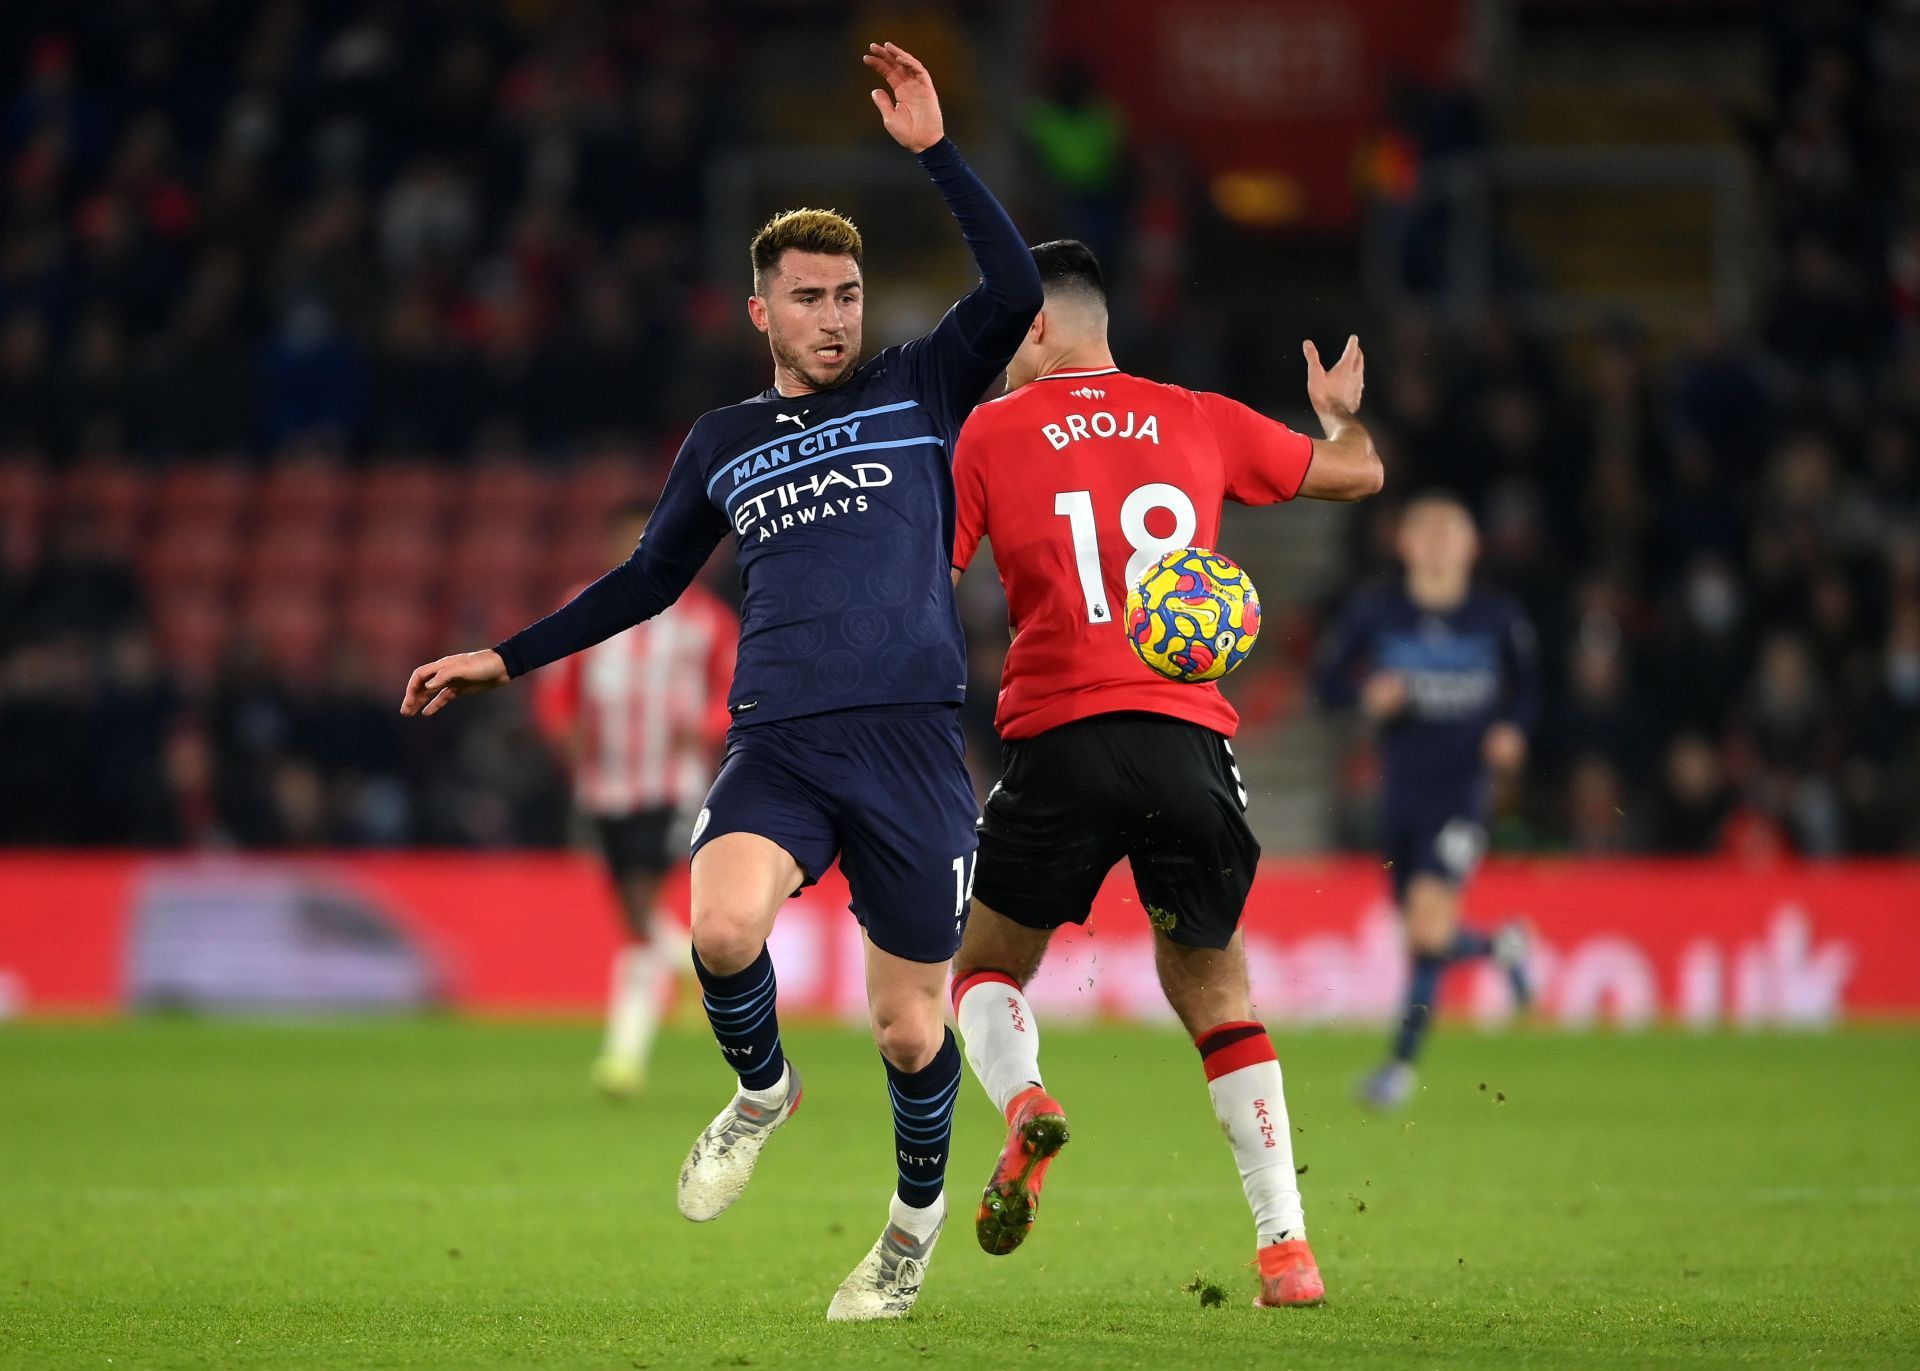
1036,1131
1289,1276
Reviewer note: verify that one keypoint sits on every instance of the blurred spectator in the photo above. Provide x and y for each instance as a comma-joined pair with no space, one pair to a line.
1078,137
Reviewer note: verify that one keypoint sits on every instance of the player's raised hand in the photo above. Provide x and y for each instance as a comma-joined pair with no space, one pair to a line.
1336,391
433,686
908,106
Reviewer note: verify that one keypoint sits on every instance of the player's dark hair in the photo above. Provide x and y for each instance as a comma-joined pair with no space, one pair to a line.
1067,264
803,230
1435,495
631,510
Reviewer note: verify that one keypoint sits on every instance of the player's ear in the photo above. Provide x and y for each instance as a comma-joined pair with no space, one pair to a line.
1037,330
757,311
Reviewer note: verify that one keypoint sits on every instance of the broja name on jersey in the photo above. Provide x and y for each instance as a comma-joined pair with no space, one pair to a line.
1081,480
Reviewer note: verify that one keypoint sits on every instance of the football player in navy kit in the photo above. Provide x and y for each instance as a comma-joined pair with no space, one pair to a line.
836,483
1445,670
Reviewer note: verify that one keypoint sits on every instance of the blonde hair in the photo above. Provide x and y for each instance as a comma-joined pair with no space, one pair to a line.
803,230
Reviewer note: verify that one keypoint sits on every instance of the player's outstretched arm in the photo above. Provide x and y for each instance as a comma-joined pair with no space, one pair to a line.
680,536
1345,464
987,324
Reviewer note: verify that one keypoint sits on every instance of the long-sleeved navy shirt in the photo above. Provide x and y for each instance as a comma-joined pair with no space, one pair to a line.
841,507
1466,669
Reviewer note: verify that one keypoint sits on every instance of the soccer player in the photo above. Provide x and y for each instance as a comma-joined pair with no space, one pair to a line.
837,486
639,718
1444,669
1081,477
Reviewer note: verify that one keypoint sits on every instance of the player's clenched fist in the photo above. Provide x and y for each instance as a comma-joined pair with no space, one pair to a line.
908,106
432,686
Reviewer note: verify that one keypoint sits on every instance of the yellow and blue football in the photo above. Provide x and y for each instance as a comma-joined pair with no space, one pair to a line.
1194,615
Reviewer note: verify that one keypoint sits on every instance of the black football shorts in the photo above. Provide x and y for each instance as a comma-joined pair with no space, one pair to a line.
1161,792
638,842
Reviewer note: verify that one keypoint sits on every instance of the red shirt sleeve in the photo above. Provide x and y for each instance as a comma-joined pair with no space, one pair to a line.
1265,460
970,493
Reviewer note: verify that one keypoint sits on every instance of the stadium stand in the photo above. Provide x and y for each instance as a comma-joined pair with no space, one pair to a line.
318,358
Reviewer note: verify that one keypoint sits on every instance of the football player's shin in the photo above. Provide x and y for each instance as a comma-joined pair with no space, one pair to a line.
1243,1077
923,1122
1423,988
640,971
1001,1034
741,1009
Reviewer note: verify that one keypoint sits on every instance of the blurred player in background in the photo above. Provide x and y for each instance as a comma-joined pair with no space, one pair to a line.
1067,476
837,485
1445,670
639,719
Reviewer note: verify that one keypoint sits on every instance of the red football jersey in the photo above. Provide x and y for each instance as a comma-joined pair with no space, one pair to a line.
641,712
1081,480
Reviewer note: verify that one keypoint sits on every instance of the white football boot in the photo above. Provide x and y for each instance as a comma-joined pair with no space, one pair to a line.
887,1281
721,1163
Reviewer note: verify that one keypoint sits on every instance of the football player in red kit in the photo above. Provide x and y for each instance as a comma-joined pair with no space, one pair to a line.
1081,477
640,718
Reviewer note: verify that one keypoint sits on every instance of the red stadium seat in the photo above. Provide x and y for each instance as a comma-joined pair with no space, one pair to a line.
114,495
599,486
504,490
205,490
291,623
193,630
413,490
579,561
395,630
401,549
199,552
497,553
311,489
25,494
295,551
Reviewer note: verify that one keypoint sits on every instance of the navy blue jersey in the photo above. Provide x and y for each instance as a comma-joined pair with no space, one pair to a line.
1466,669
840,504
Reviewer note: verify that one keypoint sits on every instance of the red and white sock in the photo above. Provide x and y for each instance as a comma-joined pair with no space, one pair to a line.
1243,1077
1001,1035
640,975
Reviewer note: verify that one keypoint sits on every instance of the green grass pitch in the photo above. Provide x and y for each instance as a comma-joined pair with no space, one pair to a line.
443,1194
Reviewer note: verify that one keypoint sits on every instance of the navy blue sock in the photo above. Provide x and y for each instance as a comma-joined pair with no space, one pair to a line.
1422,987
1469,943
923,1122
741,1009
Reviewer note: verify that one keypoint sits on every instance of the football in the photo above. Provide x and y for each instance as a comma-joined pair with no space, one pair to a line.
1194,615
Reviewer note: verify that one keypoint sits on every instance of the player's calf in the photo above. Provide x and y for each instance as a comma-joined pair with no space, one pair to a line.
1003,1046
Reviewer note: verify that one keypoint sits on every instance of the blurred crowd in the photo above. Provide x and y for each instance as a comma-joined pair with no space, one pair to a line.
1720,541
390,227
461,234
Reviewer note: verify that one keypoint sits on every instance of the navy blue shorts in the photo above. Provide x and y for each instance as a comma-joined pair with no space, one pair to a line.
1444,843
886,790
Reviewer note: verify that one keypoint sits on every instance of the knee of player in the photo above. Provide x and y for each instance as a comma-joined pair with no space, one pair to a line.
909,1040
726,940
1430,920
